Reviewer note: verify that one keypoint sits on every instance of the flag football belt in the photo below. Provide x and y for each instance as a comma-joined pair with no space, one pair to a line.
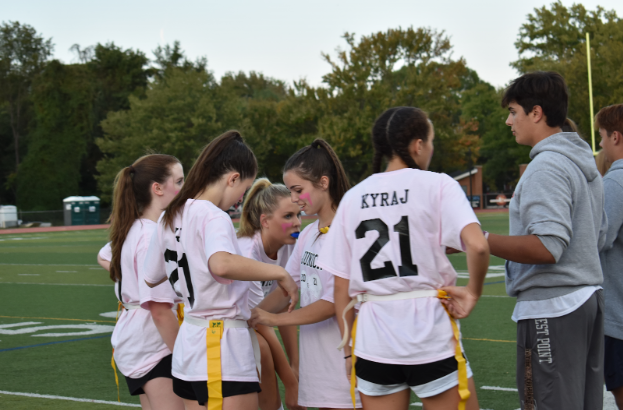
214,333
415,294
131,306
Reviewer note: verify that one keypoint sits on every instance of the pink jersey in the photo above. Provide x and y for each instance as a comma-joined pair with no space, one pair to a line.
252,247
136,340
388,236
205,230
162,257
322,376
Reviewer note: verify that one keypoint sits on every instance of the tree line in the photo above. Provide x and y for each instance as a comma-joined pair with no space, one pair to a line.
66,129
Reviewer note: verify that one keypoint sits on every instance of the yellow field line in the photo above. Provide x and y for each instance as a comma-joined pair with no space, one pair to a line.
490,340
58,318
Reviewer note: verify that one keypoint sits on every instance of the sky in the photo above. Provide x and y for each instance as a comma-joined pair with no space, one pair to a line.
281,39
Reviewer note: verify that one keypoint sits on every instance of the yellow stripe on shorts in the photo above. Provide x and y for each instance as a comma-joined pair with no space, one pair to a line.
213,351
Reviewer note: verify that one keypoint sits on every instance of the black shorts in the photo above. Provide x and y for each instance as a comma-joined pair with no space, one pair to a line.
162,369
412,375
613,363
199,390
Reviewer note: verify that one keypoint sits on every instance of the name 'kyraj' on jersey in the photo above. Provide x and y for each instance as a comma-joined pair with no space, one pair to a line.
384,200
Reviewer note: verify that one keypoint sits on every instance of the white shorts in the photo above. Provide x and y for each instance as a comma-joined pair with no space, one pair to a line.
429,389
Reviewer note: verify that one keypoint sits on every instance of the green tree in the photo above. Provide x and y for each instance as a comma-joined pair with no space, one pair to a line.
62,105
408,67
554,38
181,113
23,54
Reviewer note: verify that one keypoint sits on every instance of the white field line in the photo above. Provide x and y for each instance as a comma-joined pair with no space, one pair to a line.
498,388
53,284
28,274
42,264
47,396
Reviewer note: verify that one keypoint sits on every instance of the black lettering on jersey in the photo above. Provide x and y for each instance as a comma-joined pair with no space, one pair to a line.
303,277
384,197
177,237
394,199
266,283
309,259
374,199
171,256
364,204
384,201
407,267
406,198
315,281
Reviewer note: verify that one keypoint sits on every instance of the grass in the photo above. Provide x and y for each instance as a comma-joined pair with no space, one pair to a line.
53,279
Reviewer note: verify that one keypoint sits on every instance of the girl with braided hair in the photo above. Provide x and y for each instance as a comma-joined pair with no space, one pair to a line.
386,249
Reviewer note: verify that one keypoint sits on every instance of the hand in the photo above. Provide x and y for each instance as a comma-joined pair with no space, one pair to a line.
462,301
261,317
292,397
450,251
349,368
289,288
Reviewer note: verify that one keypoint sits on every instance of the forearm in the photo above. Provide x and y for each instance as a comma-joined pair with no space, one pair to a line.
477,252
314,313
526,249
282,366
342,299
289,335
276,301
236,267
165,321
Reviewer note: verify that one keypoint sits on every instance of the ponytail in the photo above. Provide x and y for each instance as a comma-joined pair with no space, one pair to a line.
227,152
379,140
403,125
131,195
318,160
262,198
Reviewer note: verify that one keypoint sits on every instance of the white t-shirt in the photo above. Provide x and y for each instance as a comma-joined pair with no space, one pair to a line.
252,247
388,236
322,376
205,230
136,340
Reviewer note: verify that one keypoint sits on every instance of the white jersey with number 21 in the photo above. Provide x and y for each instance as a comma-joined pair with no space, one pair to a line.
389,236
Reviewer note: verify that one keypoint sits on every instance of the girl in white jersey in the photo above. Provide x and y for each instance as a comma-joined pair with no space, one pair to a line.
146,329
268,220
386,249
213,359
317,182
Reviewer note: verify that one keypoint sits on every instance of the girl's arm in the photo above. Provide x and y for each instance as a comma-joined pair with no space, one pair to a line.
316,312
282,367
236,267
103,263
289,335
165,321
463,298
342,299
275,301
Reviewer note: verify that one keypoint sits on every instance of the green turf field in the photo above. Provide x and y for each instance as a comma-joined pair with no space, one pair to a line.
52,286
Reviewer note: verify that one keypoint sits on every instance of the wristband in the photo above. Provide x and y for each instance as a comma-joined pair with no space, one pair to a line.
486,234
348,357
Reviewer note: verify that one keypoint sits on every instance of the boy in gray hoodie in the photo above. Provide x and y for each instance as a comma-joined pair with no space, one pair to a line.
610,124
557,226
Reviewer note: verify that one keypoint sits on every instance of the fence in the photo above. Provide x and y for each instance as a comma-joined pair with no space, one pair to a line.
54,217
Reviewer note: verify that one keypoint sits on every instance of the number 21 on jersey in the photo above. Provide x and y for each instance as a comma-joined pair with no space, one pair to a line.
388,271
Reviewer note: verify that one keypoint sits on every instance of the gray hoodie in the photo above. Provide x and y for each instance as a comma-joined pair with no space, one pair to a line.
559,198
612,252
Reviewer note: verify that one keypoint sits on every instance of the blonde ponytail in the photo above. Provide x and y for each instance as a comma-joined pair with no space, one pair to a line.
262,198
